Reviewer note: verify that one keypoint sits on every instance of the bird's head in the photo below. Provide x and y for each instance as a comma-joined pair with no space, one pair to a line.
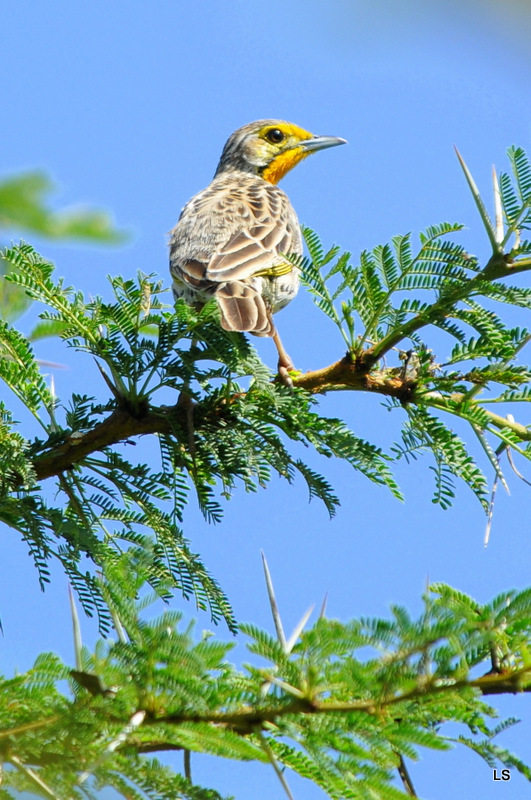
270,148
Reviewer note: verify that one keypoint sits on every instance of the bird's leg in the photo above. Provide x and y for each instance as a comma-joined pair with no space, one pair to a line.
285,364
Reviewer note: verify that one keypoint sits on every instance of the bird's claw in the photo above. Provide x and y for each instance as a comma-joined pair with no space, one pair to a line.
285,373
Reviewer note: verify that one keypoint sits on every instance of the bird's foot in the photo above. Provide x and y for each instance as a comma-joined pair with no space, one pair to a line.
286,372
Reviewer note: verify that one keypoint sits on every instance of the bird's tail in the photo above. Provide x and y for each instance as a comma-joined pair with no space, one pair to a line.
244,309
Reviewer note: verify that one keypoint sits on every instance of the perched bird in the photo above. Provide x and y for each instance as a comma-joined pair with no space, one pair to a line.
232,238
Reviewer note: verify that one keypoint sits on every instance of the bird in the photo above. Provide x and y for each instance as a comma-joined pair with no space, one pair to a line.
232,238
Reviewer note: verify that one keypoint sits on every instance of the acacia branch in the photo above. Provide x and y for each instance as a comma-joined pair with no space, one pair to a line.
347,374
351,374
122,425
436,400
499,266
248,719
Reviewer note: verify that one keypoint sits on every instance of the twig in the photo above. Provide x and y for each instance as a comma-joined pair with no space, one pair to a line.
34,777
187,765
405,777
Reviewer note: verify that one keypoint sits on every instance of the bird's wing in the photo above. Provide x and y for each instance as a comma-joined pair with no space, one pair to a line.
263,228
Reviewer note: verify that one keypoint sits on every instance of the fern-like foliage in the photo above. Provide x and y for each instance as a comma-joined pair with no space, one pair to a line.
229,426
395,292
341,708
348,703
369,297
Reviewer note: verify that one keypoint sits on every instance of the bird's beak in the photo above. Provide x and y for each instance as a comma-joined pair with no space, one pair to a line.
321,142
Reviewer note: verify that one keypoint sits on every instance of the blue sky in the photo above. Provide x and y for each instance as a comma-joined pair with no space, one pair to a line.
127,105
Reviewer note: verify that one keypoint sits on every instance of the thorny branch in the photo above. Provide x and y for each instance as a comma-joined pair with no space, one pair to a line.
248,719
348,374
353,372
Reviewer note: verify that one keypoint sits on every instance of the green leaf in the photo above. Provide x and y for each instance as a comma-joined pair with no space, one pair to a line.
13,299
23,206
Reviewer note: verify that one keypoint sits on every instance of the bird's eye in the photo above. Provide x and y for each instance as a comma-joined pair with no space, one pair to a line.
275,136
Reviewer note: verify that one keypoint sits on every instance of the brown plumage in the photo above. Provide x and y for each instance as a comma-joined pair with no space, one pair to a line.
232,238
